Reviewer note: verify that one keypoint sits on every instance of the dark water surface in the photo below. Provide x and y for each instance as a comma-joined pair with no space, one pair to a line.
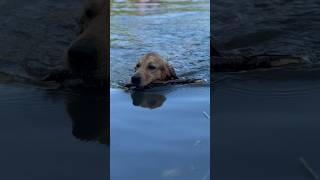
35,34
264,121
262,128
47,134
275,26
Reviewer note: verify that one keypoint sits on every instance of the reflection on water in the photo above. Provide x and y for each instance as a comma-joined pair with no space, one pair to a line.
36,134
162,140
147,100
89,114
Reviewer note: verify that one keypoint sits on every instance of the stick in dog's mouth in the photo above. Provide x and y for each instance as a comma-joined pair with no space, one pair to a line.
154,84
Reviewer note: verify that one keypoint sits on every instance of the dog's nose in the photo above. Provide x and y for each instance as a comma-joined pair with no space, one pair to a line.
136,79
83,56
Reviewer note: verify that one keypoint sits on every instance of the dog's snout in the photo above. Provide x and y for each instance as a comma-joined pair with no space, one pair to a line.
83,56
136,79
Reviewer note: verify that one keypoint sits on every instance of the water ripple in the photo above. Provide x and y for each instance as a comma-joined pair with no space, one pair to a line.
178,30
272,83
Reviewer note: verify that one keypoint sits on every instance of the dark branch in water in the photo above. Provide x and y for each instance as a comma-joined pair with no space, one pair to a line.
221,63
163,83
68,79
240,63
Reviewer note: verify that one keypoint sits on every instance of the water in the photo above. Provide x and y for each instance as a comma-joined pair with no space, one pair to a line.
62,134
46,133
35,34
262,128
177,30
265,120
273,27
277,26
163,134
160,133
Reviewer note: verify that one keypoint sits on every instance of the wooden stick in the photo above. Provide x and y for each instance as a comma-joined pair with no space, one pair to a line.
163,83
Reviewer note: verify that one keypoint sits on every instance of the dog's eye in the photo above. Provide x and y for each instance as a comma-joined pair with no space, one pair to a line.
138,65
152,67
90,13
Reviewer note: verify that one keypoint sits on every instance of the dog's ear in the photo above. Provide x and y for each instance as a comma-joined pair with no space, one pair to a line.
172,72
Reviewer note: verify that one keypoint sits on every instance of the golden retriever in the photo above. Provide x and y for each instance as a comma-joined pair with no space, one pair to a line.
151,68
88,54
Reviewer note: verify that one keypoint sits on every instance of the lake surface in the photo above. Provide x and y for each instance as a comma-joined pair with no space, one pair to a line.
261,127
50,134
161,133
46,133
276,26
35,34
178,30
264,121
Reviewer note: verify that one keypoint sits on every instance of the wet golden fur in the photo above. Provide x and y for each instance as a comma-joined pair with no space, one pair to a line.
152,67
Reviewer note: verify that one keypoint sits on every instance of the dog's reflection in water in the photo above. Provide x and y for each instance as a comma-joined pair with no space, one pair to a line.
150,100
90,117
90,113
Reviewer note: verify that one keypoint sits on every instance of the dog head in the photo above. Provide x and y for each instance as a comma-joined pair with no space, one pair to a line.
87,55
151,67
